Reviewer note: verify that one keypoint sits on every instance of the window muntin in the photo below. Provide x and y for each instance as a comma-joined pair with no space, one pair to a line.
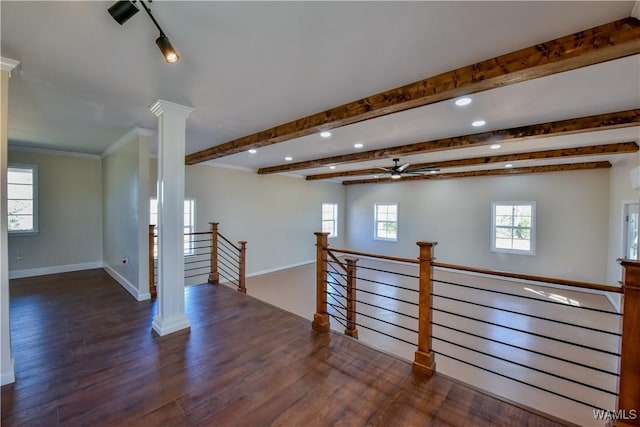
330,219
386,222
513,227
189,223
22,199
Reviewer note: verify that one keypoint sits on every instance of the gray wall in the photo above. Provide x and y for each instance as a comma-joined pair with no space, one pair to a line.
277,215
572,221
125,183
69,213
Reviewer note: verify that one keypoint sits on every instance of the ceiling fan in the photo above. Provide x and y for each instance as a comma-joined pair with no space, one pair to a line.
397,171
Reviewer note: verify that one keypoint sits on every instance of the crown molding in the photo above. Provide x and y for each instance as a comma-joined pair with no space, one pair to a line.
125,139
8,64
38,150
161,107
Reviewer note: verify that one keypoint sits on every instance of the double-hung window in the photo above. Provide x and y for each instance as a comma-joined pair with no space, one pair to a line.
386,222
330,219
513,228
22,199
188,226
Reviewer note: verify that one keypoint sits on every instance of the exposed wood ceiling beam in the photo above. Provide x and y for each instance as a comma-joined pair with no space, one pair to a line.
598,44
598,122
593,150
490,172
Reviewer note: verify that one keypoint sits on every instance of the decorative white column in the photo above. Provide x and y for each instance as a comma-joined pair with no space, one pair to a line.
7,370
171,151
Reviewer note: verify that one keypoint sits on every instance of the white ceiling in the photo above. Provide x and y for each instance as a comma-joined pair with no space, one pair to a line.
85,81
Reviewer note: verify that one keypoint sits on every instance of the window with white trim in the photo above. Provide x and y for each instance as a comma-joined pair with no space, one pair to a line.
189,223
386,222
330,219
22,199
513,227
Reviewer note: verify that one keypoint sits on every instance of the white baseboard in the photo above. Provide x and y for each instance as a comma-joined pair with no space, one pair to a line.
284,267
8,375
19,274
164,326
126,284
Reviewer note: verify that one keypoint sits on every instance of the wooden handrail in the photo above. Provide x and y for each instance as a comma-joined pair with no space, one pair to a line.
229,242
335,258
387,257
197,233
564,282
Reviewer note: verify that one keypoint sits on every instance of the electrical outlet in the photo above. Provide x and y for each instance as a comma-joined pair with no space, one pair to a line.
18,255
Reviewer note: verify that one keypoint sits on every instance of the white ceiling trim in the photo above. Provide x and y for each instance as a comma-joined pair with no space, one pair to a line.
14,147
8,64
125,139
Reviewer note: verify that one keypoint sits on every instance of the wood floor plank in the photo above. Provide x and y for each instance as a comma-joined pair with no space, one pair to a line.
85,355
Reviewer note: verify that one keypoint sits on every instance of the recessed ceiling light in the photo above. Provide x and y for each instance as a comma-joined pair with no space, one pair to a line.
433,171
478,123
332,167
495,146
253,151
376,176
358,145
288,159
463,101
508,165
325,134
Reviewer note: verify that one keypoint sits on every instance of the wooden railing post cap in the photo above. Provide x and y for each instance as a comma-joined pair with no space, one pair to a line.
151,227
351,260
421,244
629,262
242,243
321,233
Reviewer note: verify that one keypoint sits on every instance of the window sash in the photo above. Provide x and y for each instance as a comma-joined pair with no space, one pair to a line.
513,227
188,224
386,222
22,199
330,219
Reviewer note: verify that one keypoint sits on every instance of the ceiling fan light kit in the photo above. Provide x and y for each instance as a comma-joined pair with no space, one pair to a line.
122,10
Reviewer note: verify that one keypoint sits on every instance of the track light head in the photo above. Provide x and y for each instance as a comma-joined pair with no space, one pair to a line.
169,53
122,11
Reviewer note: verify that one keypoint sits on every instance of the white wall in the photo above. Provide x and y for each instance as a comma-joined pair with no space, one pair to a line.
125,206
620,191
69,216
277,215
572,221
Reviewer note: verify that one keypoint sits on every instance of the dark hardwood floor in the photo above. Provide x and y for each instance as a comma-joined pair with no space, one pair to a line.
85,355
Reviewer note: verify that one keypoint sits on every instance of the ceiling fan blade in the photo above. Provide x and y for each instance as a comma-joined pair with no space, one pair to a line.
425,172
423,168
403,167
385,169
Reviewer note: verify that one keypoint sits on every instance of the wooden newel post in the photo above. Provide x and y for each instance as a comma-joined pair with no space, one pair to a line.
214,277
424,361
351,329
321,317
152,282
629,390
242,271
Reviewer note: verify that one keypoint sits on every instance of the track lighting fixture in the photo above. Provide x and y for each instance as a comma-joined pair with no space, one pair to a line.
123,10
